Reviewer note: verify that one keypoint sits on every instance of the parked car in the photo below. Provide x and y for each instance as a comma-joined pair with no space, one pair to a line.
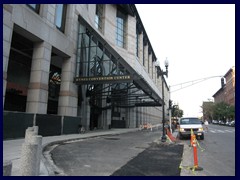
232,123
227,123
215,121
188,123
222,122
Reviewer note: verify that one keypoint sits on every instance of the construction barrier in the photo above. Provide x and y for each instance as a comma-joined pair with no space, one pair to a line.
148,126
170,136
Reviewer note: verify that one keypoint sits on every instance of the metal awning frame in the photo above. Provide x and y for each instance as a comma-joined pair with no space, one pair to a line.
137,89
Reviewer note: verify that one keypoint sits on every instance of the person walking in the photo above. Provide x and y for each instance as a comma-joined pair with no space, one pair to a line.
206,125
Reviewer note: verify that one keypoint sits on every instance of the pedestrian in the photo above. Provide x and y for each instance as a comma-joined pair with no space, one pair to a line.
206,125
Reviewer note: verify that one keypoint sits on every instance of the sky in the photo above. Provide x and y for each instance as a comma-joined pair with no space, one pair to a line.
198,41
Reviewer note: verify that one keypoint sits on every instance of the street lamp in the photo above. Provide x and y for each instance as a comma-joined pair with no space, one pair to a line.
161,73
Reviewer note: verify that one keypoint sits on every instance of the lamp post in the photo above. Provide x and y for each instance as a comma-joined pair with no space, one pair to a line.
162,73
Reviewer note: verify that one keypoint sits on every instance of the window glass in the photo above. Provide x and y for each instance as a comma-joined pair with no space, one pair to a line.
138,31
99,17
137,37
143,54
60,16
34,7
190,121
120,29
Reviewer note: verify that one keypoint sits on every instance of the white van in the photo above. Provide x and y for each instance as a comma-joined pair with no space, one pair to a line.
188,123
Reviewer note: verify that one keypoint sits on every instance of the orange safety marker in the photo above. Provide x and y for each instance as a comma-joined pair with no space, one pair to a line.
191,140
195,157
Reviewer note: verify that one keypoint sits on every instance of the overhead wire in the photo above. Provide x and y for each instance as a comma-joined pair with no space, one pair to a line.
193,83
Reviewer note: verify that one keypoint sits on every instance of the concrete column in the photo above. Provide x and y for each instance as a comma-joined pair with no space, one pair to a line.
131,38
154,74
146,58
28,159
32,164
29,133
109,117
131,118
141,116
68,100
7,168
7,38
37,140
150,65
38,86
48,14
85,111
146,116
88,111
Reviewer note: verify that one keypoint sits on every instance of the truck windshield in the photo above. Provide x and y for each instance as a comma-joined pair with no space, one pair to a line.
190,121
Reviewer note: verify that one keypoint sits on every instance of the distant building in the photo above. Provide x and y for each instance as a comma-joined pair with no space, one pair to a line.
230,86
219,95
227,91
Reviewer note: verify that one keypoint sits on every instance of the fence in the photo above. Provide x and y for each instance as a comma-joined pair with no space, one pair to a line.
15,124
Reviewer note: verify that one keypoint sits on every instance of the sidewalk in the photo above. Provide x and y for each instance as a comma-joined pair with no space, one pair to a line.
12,148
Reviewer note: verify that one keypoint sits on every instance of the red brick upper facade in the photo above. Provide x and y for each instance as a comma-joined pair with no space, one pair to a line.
227,92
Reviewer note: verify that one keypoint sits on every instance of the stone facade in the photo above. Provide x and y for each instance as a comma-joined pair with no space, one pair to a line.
52,48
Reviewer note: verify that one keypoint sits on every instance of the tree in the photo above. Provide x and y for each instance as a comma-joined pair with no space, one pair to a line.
208,110
176,112
232,112
224,111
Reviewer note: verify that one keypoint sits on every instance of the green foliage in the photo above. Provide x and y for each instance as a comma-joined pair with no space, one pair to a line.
176,112
208,110
219,111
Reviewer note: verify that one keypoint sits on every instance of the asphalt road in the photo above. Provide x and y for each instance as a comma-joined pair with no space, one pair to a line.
157,160
137,153
218,156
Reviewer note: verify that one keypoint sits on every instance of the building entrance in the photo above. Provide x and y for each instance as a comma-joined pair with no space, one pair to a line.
108,80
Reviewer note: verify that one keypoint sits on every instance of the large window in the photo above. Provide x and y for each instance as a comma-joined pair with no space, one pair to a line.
53,89
137,43
34,7
99,17
149,53
143,53
138,32
121,29
60,16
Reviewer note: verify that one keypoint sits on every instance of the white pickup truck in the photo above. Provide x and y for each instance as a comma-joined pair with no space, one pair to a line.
188,123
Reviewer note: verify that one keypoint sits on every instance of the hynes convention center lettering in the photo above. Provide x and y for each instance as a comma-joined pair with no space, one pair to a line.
104,78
